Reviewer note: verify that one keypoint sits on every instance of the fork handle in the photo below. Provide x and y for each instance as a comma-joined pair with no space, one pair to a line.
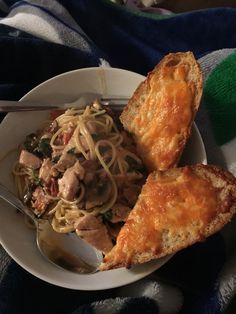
17,106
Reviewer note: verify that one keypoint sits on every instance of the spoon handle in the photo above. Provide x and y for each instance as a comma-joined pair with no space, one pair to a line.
9,197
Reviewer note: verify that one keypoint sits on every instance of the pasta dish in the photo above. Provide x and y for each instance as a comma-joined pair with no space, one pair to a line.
82,172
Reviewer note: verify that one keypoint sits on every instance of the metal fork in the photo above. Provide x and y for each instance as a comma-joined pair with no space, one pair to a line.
116,102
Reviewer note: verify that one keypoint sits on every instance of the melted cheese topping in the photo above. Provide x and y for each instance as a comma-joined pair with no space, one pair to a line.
165,116
184,204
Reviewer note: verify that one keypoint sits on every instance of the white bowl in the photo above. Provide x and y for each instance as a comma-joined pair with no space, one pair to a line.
17,239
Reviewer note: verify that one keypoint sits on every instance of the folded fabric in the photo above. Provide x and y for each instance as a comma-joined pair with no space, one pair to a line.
69,34
39,39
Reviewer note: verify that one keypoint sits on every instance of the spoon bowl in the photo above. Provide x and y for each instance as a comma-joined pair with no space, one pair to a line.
67,251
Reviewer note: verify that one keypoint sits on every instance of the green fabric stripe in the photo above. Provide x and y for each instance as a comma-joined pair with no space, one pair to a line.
139,12
220,99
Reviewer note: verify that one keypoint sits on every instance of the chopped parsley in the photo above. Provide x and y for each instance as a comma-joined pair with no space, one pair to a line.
31,142
108,215
44,148
35,178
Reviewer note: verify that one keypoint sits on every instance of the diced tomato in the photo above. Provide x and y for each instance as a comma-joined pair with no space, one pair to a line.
56,113
53,187
67,136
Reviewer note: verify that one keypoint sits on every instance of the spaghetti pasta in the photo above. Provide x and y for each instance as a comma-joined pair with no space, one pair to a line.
81,173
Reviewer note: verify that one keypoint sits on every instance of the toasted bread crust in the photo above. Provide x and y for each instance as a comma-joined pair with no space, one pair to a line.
162,109
175,209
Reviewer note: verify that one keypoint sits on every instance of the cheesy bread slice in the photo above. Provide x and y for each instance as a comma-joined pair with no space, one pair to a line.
162,109
175,209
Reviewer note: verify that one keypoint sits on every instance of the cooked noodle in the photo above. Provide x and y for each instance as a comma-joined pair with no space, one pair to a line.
94,148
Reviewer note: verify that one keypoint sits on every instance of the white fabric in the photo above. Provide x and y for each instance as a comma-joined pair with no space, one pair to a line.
47,20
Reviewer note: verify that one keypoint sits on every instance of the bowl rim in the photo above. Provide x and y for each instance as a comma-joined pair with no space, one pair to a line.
5,120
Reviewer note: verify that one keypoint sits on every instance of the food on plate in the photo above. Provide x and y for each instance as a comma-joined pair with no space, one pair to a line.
86,172
175,209
81,172
161,111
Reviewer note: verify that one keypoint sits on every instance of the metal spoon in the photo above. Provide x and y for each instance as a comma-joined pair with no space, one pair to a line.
67,251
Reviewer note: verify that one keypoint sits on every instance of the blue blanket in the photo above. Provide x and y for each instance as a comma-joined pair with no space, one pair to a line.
40,39
50,37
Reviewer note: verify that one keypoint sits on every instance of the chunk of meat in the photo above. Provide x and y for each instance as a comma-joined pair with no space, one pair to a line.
69,183
120,213
46,171
40,201
29,160
66,159
92,230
